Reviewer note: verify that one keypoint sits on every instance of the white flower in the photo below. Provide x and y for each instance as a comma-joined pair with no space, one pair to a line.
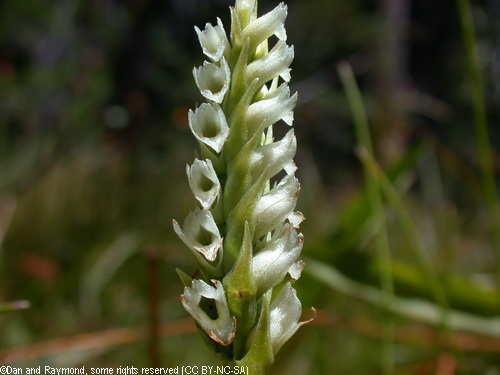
213,40
269,24
200,233
213,80
275,63
276,105
277,155
272,263
275,206
208,124
203,182
220,325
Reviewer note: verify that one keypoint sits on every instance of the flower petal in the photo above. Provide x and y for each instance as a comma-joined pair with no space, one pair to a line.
285,314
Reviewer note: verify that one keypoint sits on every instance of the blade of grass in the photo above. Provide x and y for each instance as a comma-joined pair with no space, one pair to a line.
409,227
101,271
481,128
376,209
415,309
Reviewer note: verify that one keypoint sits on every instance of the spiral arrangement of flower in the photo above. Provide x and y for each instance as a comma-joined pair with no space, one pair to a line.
243,232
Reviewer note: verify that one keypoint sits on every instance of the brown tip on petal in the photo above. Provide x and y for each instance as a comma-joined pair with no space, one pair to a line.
315,315
214,337
297,192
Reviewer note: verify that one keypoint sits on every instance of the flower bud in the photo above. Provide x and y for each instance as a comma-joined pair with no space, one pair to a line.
246,11
220,325
209,125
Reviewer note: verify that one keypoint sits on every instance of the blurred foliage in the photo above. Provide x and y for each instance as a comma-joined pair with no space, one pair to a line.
94,142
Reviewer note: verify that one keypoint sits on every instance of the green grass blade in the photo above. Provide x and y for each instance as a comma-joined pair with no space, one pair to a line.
410,308
481,128
376,207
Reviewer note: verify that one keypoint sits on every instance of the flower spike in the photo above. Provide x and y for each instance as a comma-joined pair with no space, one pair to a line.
243,231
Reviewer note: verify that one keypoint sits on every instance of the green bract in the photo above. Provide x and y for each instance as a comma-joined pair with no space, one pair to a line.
243,233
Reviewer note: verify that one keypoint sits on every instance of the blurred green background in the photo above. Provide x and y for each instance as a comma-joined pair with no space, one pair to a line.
94,141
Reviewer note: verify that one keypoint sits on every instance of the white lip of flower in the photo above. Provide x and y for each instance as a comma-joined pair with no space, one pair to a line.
200,233
213,40
285,313
296,269
295,218
221,329
275,63
213,79
271,23
208,124
272,263
275,206
204,182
